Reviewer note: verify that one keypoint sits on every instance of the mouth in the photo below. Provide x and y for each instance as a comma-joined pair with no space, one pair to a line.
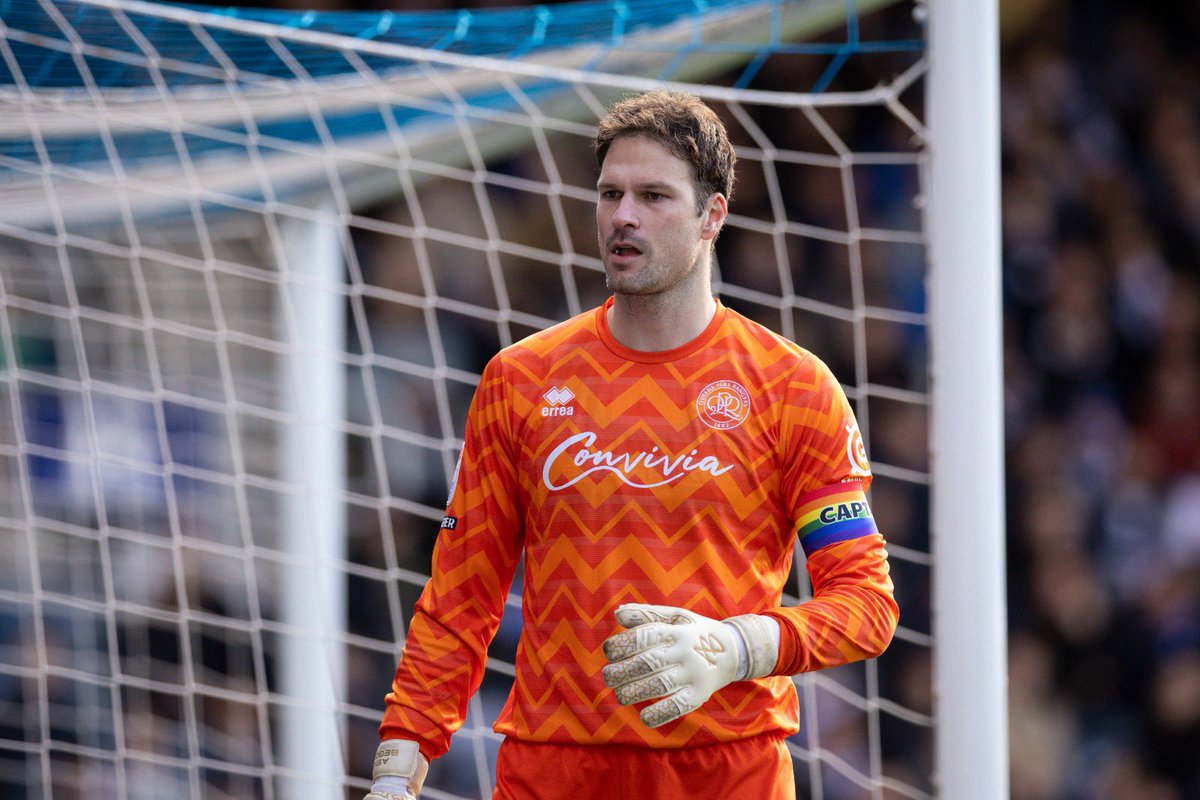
624,250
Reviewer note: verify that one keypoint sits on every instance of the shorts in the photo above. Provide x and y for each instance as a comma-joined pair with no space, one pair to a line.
758,768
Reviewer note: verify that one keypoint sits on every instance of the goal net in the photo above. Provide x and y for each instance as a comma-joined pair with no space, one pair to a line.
251,265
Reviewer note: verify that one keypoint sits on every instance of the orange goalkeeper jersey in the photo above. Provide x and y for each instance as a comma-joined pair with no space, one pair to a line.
678,478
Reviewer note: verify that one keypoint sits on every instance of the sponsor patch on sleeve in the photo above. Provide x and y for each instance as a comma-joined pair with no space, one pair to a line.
834,514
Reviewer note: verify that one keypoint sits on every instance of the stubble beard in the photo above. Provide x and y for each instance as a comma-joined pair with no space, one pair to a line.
649,279
628,283
642,279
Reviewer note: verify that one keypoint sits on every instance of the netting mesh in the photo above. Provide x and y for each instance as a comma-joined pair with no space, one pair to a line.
251,265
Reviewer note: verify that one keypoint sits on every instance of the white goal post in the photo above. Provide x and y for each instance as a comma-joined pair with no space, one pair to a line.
251,263
963,218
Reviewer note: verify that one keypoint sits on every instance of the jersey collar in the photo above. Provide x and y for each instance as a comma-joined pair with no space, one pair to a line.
658,356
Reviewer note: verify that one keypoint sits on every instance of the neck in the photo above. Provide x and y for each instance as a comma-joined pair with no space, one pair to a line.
663,321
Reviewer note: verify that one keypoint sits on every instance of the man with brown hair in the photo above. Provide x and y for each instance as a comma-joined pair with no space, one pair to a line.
653,461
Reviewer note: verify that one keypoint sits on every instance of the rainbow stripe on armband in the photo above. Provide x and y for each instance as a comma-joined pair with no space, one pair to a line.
834,514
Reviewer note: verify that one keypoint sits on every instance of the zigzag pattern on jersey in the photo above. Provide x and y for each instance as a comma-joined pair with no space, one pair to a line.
715,540
854,613
457,614
671,545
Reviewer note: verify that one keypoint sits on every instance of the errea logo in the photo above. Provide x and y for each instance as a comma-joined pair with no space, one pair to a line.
558,402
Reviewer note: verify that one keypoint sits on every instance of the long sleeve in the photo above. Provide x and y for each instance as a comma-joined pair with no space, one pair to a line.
853,613
680,478
474,560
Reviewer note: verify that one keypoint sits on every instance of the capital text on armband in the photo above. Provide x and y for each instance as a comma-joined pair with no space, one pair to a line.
844,511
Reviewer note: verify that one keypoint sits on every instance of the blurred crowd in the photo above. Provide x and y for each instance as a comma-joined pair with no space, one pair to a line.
1101,215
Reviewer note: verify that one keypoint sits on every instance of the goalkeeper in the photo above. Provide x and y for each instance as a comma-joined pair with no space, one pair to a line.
653,460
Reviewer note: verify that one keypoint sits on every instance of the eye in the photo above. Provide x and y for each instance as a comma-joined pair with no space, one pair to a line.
652,196
610,194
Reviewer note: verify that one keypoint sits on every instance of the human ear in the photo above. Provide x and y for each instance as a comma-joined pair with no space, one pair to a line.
716,210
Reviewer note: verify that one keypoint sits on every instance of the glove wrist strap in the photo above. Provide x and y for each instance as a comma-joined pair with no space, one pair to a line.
762,650
401,758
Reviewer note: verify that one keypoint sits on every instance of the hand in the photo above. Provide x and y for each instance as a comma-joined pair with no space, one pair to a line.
399,771
683,657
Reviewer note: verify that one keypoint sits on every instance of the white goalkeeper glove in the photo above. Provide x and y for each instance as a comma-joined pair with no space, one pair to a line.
399,771
684,657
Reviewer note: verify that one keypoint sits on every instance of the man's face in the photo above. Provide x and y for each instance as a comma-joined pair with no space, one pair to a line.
651,236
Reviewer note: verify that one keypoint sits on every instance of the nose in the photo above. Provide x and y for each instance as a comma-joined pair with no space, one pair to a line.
625,212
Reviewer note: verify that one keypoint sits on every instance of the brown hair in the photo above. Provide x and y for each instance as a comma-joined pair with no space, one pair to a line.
683,124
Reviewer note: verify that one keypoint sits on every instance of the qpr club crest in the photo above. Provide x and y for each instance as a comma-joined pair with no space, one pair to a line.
723,405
